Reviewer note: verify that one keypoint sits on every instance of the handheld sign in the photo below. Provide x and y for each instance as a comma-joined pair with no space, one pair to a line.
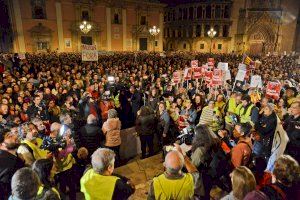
187,74
89,53
208,77
194,63
242,67
223,66
256,81
240,75
217,77
227,75
197,72
176,77
273,90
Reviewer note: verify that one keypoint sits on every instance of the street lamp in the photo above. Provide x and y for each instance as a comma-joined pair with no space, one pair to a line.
85,27
154,31
211,33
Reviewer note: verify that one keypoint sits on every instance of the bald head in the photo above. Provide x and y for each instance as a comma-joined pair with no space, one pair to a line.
174,162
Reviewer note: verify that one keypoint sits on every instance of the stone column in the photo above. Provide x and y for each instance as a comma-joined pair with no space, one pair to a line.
194,30
108,28
176,33
221,31
124,25
202,30
187,32
160,35
19,26
59,27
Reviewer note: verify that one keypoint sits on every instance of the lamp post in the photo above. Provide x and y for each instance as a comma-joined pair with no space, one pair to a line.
85,27
211,33
154,31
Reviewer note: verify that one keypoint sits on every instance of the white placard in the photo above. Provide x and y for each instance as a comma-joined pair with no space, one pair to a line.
242,67
89,52
227,75
256,81
223,66
240,75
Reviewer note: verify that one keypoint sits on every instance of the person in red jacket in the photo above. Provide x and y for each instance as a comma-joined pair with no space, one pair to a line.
241,153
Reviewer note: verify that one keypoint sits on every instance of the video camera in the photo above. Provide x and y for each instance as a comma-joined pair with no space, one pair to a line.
54,145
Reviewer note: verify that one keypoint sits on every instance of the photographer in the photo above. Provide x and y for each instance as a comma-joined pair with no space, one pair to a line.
210,159
30,147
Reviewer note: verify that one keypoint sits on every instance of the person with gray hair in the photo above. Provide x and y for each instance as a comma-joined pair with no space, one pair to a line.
175,184
90,135
99,182
111,129
265,128
24,184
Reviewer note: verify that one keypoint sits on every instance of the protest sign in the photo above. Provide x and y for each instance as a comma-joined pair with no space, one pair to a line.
280,141
273,90
89,52
256,81
242,67
217,77
223,66
240,75
163,55
197,72
208,77
187,74
227,75
194,63
176,77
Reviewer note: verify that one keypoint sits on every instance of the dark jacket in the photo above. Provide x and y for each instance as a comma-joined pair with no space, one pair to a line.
90,137
153,103
9,165
136,101
146,125
292,127
266,126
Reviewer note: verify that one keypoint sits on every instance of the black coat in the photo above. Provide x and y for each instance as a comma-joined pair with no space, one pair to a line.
266,126
90,137
292,127
146,125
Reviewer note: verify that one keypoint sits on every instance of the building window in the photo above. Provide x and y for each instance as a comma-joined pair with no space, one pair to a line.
116,18
199,12
143,20
173,35
38,9
218,12
179,32
208,12
219,46
191,13
207,28
225,31
226,12
86,40
201,46
156,43
42,46
185,13
180,14
217,29
184,46
85,15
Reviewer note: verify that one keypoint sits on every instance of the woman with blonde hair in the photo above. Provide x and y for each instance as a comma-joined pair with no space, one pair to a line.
243,182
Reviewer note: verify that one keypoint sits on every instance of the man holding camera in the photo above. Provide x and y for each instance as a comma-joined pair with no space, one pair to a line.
175,184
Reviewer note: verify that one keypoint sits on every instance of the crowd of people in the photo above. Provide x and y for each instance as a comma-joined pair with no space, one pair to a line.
61,122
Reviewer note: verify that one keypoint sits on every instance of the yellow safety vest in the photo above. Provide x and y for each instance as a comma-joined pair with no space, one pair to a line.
65,163
38,153
96,186
117,101
41,188
246,116
177,189
231,109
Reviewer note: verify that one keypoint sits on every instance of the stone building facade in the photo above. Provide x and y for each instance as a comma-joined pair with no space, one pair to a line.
252,26
53,25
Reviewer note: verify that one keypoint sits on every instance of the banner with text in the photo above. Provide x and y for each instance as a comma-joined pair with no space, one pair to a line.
89,52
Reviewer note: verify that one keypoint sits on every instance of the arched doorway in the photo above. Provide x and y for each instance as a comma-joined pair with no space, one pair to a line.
261,39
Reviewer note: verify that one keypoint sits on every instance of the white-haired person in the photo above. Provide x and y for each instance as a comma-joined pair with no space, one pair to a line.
99,182
111,128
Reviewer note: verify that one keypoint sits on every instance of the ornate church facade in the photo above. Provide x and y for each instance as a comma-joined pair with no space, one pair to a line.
252,26
53,25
